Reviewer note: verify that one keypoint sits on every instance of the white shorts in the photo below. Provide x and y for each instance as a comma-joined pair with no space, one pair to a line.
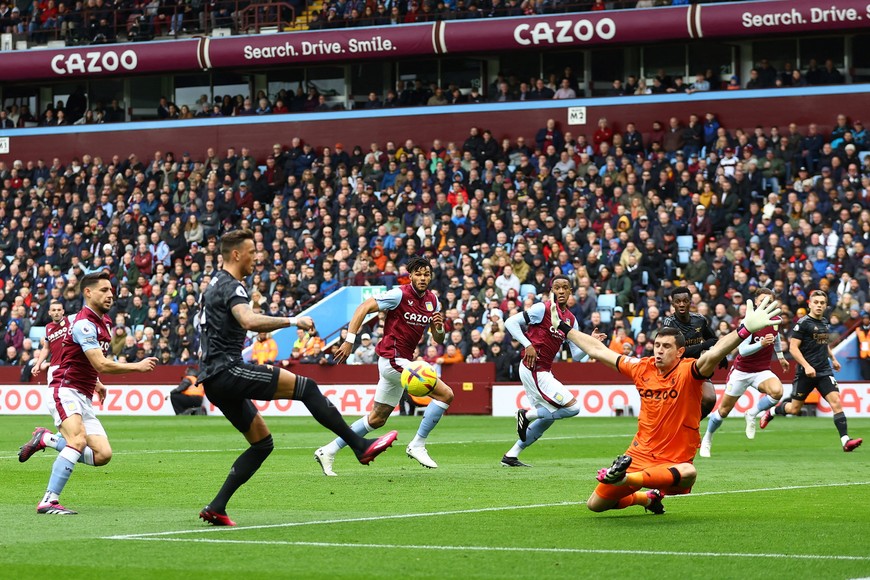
389,391
65,402
544,390
739,381
50,373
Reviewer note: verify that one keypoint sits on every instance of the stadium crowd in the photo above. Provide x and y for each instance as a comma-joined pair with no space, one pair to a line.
627,213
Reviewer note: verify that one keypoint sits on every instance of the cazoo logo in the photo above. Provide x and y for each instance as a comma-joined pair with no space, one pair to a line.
564,31
94,62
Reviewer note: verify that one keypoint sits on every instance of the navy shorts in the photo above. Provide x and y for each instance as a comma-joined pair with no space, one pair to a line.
804,385
232,389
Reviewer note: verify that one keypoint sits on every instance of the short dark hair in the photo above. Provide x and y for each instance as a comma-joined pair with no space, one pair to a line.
417,263
561,277
681,290
671,331
232,240
89,280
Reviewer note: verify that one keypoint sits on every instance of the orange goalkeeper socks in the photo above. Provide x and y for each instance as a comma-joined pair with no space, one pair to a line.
637,498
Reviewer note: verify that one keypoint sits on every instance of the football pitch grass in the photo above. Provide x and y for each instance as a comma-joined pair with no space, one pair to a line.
789,504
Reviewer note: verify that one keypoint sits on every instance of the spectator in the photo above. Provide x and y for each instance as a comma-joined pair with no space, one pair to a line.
265,349
365,352
188,396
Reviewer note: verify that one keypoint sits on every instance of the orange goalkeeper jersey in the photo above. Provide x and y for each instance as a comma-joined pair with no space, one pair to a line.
670,410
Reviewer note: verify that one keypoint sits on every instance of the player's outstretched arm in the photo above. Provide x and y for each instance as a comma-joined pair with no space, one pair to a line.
250,320
370,306
755,319
590,345
107,366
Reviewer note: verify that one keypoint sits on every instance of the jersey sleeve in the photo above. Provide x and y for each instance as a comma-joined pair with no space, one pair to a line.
239,296
84,333
514,326
390,299
691,374
630,367
535,314
798,332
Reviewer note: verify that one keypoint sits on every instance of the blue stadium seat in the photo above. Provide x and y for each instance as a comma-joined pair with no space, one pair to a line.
684,248
37,333
636,323
606,304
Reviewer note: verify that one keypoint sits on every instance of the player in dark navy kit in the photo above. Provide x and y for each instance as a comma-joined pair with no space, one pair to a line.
698,337
809,347
230,383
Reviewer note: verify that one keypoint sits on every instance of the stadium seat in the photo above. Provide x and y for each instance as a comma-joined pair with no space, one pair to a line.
37,333
636,323
527,289
683,256
684,248
606,304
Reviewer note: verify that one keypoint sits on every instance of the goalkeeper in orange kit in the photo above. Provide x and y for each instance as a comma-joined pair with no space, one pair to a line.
661,454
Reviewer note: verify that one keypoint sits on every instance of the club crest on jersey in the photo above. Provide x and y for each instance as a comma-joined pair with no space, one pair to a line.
430,307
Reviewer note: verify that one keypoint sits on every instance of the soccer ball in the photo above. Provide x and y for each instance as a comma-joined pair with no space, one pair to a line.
419,378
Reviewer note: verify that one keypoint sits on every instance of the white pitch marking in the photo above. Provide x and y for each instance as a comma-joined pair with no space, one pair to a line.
512,549
450,513
311,447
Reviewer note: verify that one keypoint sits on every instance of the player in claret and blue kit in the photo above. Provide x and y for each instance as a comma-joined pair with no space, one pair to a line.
549,398
751,369
82,438
410,309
